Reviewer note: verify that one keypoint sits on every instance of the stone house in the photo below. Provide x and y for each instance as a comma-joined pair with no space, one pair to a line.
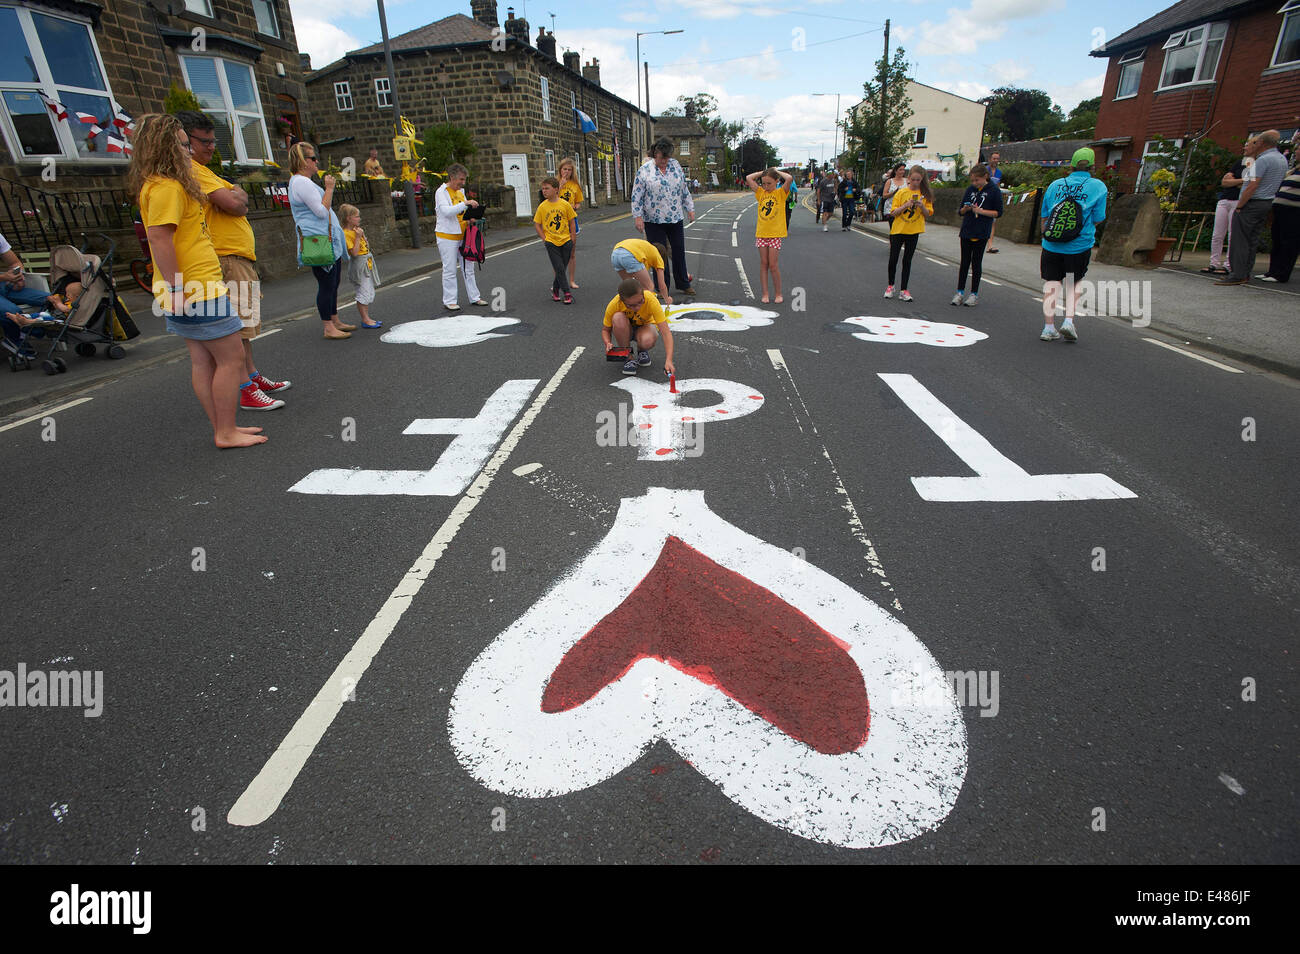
688,136
517,100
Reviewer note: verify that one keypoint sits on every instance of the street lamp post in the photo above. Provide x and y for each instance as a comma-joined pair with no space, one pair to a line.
836,144
637,78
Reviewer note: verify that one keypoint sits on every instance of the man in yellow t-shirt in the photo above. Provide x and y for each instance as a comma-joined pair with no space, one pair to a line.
554,221
634,306
226,214
634,258
372,169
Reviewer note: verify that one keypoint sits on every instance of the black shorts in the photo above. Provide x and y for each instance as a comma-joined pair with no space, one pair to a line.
1053,266
828,205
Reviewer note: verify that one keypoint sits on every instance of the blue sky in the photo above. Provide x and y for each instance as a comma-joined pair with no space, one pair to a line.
748,56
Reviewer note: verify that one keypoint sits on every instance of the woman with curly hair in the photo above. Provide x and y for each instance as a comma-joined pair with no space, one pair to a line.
187,284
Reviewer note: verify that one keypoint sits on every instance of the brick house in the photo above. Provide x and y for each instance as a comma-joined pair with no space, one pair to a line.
1222,69
517,101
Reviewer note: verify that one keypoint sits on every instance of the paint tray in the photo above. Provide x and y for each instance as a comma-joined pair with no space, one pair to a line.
618,354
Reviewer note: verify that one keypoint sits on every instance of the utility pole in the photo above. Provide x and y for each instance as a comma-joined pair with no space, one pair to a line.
412,216
884,82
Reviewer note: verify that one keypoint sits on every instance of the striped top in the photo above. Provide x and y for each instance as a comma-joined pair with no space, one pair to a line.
1288,193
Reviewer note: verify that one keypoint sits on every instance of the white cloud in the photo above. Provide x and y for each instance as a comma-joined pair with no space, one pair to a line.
966,88
1068,97
1008,72
324,42
982,22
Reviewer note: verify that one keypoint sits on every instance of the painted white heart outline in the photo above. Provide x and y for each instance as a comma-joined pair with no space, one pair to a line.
453,331
901,783
938,334
735,317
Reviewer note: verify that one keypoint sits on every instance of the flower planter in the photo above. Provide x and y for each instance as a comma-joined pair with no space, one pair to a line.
1157,255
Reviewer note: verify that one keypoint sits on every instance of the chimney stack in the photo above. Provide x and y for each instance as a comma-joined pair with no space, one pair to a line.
516,27
546,42
573,61
591,72
485,12
304,62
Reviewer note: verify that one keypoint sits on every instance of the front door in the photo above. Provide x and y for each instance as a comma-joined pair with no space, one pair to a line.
514,166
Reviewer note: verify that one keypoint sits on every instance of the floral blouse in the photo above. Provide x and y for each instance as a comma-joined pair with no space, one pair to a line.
661,197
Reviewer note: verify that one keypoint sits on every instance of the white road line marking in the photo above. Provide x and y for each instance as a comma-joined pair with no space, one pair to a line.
691,251
856,528
413,281
526,469
935,260
744,279
989,281
45,413
267,334
1190,354
264,794
513,248
734,243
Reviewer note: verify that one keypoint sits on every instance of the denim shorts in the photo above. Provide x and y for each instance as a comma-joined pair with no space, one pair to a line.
624,260
206,320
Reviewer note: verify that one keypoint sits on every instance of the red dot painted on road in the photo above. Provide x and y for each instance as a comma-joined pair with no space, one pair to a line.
688,419
960,335
920,332
925,326
940,340
756,397
649,406
644,427
890,333
723,410
664,450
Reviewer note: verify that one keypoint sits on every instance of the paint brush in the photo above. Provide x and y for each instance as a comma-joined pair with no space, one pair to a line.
672,384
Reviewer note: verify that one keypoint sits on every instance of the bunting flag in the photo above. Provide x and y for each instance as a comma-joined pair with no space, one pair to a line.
55,107
88,118
95,130
115,144
122,119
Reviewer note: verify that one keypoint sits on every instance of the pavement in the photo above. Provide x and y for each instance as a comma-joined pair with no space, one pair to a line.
1239,322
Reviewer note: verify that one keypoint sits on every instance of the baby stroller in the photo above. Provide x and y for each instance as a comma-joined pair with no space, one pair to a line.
98,316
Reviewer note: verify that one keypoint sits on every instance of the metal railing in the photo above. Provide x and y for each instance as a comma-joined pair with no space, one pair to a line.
274,196
1187,229
33,219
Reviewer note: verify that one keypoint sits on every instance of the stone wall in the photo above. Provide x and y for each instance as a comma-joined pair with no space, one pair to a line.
1018,222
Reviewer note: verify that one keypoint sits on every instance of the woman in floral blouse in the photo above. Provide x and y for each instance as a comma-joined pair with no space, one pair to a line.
661,199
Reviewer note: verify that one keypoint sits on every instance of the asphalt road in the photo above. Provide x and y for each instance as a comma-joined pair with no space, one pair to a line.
1118,689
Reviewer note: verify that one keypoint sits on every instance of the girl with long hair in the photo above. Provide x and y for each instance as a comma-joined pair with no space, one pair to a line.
907,212
571,192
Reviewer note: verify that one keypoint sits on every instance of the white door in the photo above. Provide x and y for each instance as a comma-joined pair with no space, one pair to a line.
514,165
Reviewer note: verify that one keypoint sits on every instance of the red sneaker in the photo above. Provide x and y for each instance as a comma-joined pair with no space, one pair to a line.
270,387
254,399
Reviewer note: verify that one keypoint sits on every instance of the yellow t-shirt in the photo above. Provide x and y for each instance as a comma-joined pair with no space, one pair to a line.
373,169
910,222
650,312
455,197
571,192
771,213
230,234
350,237
554,218
644,252
164,202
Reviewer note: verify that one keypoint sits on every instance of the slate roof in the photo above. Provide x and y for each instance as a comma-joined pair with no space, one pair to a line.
1184,14
677,127
448,31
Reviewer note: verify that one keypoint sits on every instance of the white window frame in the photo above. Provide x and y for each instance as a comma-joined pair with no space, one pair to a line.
1290,13
550,162
919,136
204,7
684,148
62,129
1144,174
1126,62
573,100
342,94
236,134
275,19
1200,36
546,100
383,93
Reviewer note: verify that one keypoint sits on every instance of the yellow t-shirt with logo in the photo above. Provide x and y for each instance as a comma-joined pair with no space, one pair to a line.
771,213
164,201
230,234
650,312
455,197
554,217
911,222
644,252
350,237
571,192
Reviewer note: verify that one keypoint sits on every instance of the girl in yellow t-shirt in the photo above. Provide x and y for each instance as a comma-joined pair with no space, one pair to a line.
571,193
361,264
907,212
772,188
188,289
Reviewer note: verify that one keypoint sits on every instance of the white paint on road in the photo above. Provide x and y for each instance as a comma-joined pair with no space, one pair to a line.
734,243
989,281
525,469
264,794
744,279
267,334
451,332
1192,354
663,426
414,281
937,334
44,414
894,782
999,478
706,316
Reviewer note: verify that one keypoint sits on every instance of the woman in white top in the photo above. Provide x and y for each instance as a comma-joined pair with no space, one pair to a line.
312,215
450,203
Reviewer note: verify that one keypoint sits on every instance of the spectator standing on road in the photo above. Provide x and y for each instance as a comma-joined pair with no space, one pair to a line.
554,222
1076,229
1286,226
770,190
187,284
826,193
995,178
450,204
312,215
907,212
372,167
571,192
362,271
848,193
1225,209
895,180
980,207
226,213
660,202
1253,205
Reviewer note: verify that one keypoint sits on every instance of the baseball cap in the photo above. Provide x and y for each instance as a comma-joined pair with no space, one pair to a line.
1083,155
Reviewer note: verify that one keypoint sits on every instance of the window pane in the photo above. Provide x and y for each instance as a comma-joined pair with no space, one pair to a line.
95,105
225,145
1130,78
1210,62
1289,49
203,81
16,64
199,6
1180,66
32,121
254,142
243,91
266,19
69,52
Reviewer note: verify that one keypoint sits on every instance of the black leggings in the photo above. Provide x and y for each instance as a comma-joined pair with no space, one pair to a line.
672,234
972,257
560,255
327,289
907,245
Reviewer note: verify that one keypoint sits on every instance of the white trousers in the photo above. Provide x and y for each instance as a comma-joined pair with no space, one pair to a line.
452,262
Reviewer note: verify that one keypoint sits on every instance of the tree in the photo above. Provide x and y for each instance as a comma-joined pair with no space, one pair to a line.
756,154
180,100
875,136
1082,121
446,143
1016,114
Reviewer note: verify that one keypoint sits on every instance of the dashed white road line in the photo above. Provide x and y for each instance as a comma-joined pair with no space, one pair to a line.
1192,354
734,243
48,411
264,794
744,279
267,334
413,281
990,281
935,260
